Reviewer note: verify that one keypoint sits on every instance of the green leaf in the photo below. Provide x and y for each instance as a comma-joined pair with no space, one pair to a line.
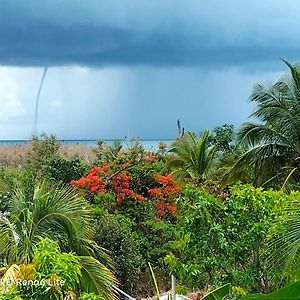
289,292
218,294
96,278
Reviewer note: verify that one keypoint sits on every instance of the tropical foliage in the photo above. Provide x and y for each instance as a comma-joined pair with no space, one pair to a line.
219,293
51,275
273,157
192,158
61,215
289,292
216,210
227,240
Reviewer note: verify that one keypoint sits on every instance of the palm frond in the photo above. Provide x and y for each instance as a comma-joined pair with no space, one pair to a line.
285,244
191,157
97,278
265,159
62,215
275,142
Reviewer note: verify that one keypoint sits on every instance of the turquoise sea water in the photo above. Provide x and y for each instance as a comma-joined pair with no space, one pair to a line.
147,144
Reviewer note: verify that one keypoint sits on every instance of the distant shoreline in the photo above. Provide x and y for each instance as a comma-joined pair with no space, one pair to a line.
146,143
88,140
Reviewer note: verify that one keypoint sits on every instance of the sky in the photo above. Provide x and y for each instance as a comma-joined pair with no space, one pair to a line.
133,67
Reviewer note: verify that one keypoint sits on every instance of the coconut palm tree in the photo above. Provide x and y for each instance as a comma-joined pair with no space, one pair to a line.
273,157
60,214
192,158
284,244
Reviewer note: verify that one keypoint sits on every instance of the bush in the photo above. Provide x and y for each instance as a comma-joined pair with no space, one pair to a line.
51,275
10,179
226,241
106,153
44,162
42,150
115,233
90,296
62,170
130,185
5,198
132,245
135,202
49,260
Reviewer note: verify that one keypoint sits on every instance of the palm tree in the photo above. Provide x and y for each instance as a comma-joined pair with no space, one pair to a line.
284,244
273,157
59,214
192,158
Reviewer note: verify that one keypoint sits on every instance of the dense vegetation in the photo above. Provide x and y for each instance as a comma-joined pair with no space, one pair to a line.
217,207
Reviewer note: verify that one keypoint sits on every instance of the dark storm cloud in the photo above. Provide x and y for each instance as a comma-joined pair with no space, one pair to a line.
97,33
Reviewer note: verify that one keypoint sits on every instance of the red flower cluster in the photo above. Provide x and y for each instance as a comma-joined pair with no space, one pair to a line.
103,180
168,186
150,158
168,189
120,184
164,207
162,146
92,182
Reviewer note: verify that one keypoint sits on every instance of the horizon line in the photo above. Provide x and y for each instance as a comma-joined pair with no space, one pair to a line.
92,140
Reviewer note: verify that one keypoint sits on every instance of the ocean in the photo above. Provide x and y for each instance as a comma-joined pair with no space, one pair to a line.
147,144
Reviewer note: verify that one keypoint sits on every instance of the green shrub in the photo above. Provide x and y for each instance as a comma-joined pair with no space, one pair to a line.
90,296
51,275
50,260
5,198
159,238
107,153
115,233
289,292
44,162
226,241
42,150
62,170
10,180
10,177
143,174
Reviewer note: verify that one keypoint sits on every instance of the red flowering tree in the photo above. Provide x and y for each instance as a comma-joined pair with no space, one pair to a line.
164,195
129,183
106,179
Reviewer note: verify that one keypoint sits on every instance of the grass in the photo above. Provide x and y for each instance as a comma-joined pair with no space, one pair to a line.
15,155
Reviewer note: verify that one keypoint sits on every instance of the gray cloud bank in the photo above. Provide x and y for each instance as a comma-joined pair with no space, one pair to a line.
206,33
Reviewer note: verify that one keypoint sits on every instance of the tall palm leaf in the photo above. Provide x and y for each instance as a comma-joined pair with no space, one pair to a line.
284,261
60,214
191,157
274,143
